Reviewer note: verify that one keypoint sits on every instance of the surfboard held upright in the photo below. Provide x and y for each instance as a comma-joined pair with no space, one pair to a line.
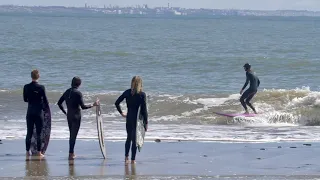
100,131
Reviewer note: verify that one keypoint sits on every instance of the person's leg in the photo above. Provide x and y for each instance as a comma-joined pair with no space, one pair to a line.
30,125
75,126
39,125
128,142
242,100
250,96
134,145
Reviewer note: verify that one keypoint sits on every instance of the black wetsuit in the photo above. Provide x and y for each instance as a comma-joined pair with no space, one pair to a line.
251,91
35,95
74,101
133,103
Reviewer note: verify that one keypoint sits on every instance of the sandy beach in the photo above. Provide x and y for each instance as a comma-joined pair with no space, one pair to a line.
165,160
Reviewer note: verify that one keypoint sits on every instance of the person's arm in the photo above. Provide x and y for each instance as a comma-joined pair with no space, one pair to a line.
60,103
25,98
258,82
119,100
144,111
45,99
82,105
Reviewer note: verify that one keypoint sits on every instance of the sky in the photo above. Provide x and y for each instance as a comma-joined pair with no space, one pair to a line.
311,5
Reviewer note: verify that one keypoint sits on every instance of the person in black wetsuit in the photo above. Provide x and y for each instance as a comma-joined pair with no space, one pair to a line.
135,97
35,95
74,101
251,91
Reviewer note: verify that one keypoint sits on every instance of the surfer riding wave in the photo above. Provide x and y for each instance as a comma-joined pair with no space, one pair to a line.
251,91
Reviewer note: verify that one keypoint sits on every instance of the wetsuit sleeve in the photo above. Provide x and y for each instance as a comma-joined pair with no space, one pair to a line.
25,98
246,83
60,103
82,105
144,108
119,100
258,82
45,99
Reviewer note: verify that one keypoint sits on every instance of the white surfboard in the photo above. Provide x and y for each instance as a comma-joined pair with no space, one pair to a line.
140,131
100,131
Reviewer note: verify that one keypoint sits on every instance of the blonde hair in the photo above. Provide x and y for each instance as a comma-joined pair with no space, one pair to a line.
136,85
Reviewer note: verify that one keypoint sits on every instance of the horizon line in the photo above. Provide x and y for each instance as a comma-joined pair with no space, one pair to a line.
99,7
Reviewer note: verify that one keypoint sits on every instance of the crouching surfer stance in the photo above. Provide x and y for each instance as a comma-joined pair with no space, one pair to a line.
135,97
251,91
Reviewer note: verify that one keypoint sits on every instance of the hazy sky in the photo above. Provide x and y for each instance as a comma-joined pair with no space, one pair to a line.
236,4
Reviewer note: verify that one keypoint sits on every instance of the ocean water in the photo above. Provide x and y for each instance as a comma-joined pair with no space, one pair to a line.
190,67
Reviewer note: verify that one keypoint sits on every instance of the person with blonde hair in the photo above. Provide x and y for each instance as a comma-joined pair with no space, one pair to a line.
135,98
35,95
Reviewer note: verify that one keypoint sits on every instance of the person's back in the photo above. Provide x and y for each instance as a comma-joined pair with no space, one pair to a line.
133,102
34,94
254,81
73,100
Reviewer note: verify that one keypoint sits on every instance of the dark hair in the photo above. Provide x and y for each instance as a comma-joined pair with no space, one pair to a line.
76,82
35,74
247,66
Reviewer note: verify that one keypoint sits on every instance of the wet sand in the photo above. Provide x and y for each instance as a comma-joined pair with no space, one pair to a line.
164,160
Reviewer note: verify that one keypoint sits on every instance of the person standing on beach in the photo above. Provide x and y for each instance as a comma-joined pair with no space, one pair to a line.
135,97
74,101
35,95
251,91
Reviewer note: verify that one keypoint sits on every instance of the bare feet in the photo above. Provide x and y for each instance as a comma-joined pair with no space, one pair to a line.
246,112
71,156
40,155
133,161
126,160
255,111
27,155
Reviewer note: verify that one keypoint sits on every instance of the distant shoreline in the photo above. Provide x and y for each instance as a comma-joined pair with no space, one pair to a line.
158,11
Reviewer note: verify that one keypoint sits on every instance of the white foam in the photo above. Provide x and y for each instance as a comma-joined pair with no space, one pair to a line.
311,99
211,102
166,118
189,113
181,132
304,89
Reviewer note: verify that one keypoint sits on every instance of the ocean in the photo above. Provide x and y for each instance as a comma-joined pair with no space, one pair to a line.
191,67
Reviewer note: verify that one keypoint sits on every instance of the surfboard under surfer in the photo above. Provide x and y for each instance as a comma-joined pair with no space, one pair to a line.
135,97
35,95
74,101
251,91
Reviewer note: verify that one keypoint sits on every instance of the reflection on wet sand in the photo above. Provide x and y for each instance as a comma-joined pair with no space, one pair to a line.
71,168
36,167
133,173
102,167
72,171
